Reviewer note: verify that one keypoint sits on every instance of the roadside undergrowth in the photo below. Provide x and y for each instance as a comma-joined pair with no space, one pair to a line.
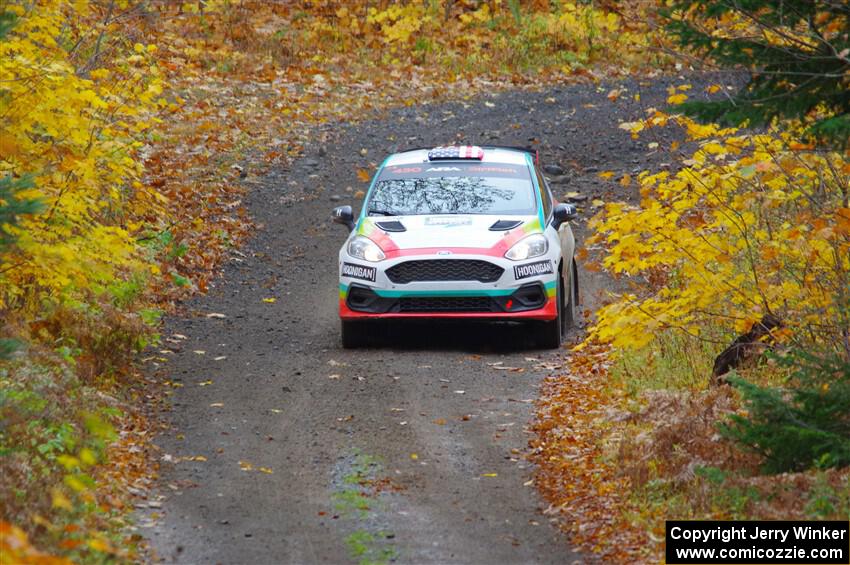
617,458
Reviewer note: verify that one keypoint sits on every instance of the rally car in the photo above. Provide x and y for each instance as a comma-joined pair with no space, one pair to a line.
459,232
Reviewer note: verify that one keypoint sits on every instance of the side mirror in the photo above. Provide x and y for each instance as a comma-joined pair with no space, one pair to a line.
563,213
345,216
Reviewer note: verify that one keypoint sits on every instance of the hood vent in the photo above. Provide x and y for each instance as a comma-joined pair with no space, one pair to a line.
391,226
505,225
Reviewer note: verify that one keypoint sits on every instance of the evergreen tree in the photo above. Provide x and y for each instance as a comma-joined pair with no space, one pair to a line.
797,53
11,207
803,425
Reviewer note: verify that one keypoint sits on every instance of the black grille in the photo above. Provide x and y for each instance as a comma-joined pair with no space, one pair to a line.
444,270
446,304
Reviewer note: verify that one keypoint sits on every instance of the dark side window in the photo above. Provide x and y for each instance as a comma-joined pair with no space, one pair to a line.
545,195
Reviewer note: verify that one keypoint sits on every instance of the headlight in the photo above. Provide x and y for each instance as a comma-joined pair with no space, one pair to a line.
532,246
366,249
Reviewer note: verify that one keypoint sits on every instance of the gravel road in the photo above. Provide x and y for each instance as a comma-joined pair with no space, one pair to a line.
410,451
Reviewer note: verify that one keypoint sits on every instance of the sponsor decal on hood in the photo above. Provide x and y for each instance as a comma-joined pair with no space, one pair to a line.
448,221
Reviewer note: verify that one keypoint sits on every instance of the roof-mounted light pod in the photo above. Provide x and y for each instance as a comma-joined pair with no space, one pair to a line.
456,152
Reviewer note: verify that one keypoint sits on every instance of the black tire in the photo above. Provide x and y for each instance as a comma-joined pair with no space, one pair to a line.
353,334
570,308
550,334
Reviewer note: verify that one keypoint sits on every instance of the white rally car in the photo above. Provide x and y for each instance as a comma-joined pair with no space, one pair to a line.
459,232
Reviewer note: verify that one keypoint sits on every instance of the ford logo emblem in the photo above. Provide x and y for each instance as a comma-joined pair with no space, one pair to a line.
444,252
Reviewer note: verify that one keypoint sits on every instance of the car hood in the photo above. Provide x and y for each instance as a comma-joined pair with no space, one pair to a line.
444,231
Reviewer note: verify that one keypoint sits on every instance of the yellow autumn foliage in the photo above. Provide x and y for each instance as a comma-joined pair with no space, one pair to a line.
752,224
73,118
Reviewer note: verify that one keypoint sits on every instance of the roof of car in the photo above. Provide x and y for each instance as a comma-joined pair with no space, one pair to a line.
491,155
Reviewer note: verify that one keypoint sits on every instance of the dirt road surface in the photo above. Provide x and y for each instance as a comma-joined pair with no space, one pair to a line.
410,451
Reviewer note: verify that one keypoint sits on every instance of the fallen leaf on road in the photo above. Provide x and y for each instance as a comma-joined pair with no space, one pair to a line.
440,421
363,175
490,475
205,383
334,376
245,466
606,174
266,470
220,358
199,351
270,300
414,456
200,458
275,410
215,315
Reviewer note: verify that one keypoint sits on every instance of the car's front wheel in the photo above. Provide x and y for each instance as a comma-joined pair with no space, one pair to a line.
549,334
570,308
353,334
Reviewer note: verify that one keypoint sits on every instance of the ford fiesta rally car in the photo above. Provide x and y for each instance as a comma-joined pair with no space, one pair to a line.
459,232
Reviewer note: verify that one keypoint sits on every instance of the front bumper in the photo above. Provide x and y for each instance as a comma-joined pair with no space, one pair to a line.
527,293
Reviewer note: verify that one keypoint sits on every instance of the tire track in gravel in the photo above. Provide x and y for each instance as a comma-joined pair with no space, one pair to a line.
453,459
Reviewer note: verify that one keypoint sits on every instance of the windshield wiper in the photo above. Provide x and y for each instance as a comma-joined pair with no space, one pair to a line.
383,212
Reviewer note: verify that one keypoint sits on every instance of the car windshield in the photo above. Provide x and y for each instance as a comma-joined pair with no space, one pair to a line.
453,188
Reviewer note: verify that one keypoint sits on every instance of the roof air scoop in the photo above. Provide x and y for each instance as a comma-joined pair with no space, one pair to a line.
456,152
505,225
392,226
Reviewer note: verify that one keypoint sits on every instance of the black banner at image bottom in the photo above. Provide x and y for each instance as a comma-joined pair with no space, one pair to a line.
762,542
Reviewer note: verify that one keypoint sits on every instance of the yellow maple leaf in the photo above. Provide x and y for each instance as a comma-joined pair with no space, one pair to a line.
60,500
